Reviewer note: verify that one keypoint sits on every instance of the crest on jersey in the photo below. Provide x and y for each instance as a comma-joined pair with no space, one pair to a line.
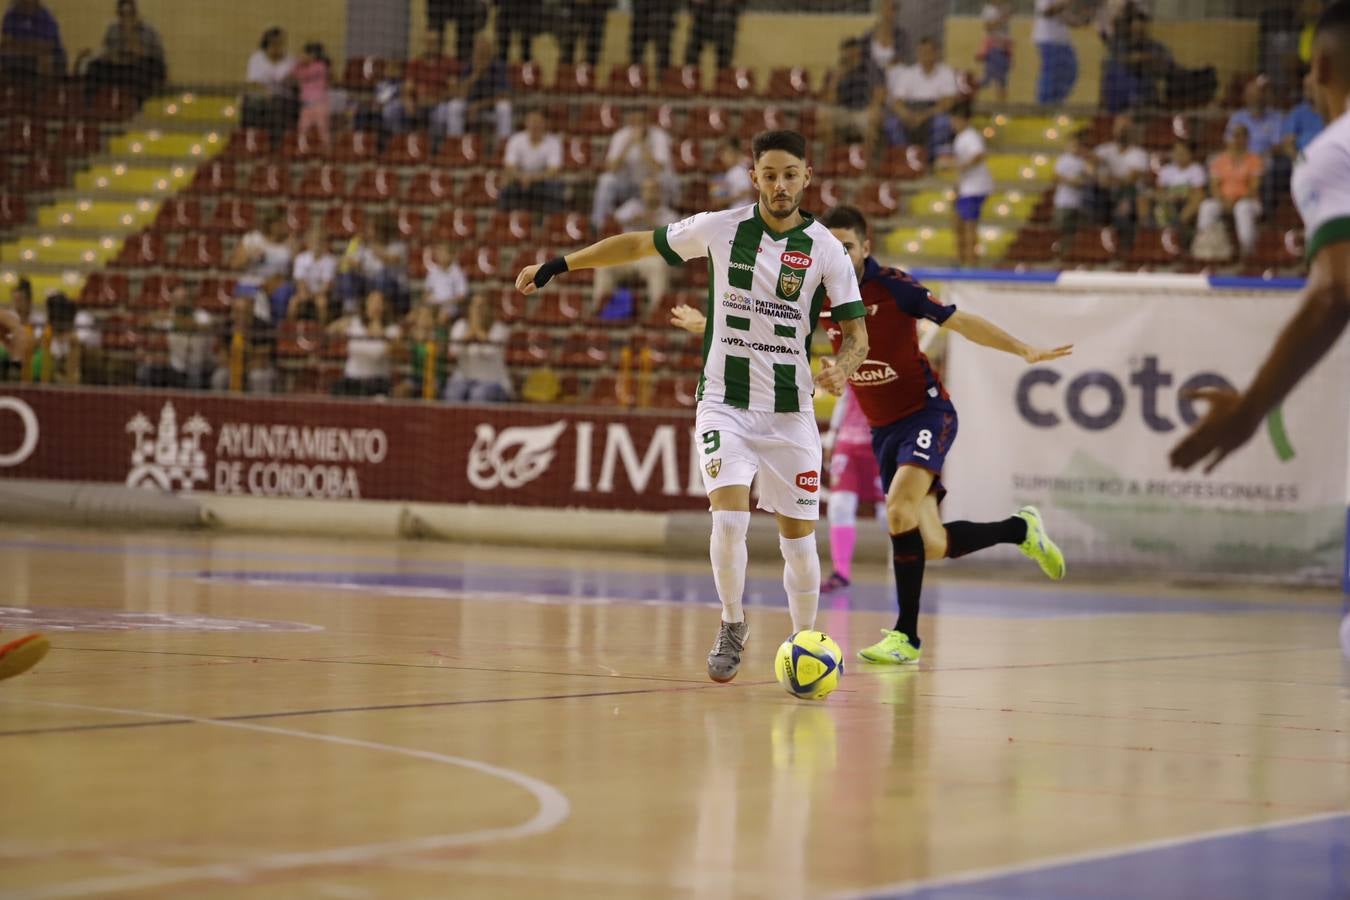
789,282
713,467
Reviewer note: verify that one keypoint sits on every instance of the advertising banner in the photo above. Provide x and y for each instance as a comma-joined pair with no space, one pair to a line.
1086,438
327,449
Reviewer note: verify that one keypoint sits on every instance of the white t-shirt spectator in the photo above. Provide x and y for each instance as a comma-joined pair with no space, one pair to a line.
1070,166
1173,176
1049,29
624,146
262,70
913,85
733,187
367,352
634,215
315,270
267,258
528,157
977,181
445,286
1123,163
481,361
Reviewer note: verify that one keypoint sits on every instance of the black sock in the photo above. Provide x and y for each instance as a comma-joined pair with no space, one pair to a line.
968,537
907,551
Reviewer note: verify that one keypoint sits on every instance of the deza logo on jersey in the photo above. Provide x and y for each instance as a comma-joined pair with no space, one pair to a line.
794,260
1097,400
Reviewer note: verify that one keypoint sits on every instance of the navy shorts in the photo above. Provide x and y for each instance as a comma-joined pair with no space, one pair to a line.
968,208
923,440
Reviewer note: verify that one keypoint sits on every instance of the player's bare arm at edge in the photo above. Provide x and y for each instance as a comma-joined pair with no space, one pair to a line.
611,251
980,330
835,372
1233,418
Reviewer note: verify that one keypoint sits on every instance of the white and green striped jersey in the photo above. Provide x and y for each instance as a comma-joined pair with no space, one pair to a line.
765,290
1321,186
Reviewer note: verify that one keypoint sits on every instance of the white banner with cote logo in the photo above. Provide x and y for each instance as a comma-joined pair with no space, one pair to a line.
1087,438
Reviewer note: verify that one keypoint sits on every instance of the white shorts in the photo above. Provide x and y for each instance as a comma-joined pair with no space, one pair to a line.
783,448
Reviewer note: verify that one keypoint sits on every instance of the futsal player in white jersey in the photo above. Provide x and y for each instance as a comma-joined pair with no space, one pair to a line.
770,266
1321,188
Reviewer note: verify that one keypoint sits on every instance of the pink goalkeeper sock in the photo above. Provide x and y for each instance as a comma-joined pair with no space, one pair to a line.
842,538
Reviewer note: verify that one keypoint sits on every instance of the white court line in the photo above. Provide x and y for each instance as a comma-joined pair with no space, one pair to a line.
553,809
902,888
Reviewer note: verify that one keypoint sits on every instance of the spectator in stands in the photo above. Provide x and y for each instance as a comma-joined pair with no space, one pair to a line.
313,74
733,187
446,285
376,260
312,278
264,257
248,360
653,22
132,56
886,44
479,96
1075,172
408,108
974,182
847,113
1123,165
1302,123
645,212
637,151
1234,179
920,97
1265,128
1138,68
997,48
424,341
189,360
372,343
269,103
1059,62
1180,191
713,22
468,16
517,17
533,161
478,350
577,21
432,70
57,350
21,311
30,42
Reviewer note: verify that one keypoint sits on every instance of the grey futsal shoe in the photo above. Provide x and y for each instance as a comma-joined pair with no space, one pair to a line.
725,657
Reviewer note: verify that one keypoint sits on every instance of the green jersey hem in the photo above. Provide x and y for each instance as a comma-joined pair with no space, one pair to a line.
1332,231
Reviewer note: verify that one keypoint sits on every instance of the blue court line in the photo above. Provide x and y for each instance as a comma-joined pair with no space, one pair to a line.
1304,859
989,601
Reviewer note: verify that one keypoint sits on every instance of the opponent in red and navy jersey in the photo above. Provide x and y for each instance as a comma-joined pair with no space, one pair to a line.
897,380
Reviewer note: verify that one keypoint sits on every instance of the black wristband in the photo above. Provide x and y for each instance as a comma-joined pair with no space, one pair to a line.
544,274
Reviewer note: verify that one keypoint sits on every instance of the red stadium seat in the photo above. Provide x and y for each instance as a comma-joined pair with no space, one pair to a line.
566,230
141,250
323,182
1154,247
364,72
23,136
248,143
215,177
508,228
558,308
628,81
879,200
179,214
13,210
611,390
199,251
577,155
597,119
570,78
344,221
431,186
216,295
846,161
112,104
460,153
1093,247
156,292
709,123
455,226
301,145
689,157
410,149
526,77
482,189
680,81
269,180
788,84
298,216
904,163
588,349
45,174
78,138
355,146
105,290
233,215
408,222
376,185
535,347
734,83
1035,246
480,262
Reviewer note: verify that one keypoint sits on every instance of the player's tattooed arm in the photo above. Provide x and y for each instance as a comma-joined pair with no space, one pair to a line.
981,331
835,373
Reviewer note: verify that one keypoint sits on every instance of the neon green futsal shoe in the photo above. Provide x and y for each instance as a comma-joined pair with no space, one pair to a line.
893,649
1038,545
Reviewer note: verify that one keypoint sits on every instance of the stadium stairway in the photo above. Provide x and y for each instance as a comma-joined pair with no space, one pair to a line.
77,229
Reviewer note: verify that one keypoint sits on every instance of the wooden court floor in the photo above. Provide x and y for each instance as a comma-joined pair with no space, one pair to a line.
271,717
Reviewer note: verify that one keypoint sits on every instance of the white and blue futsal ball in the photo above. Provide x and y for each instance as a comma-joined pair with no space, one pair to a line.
809,665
